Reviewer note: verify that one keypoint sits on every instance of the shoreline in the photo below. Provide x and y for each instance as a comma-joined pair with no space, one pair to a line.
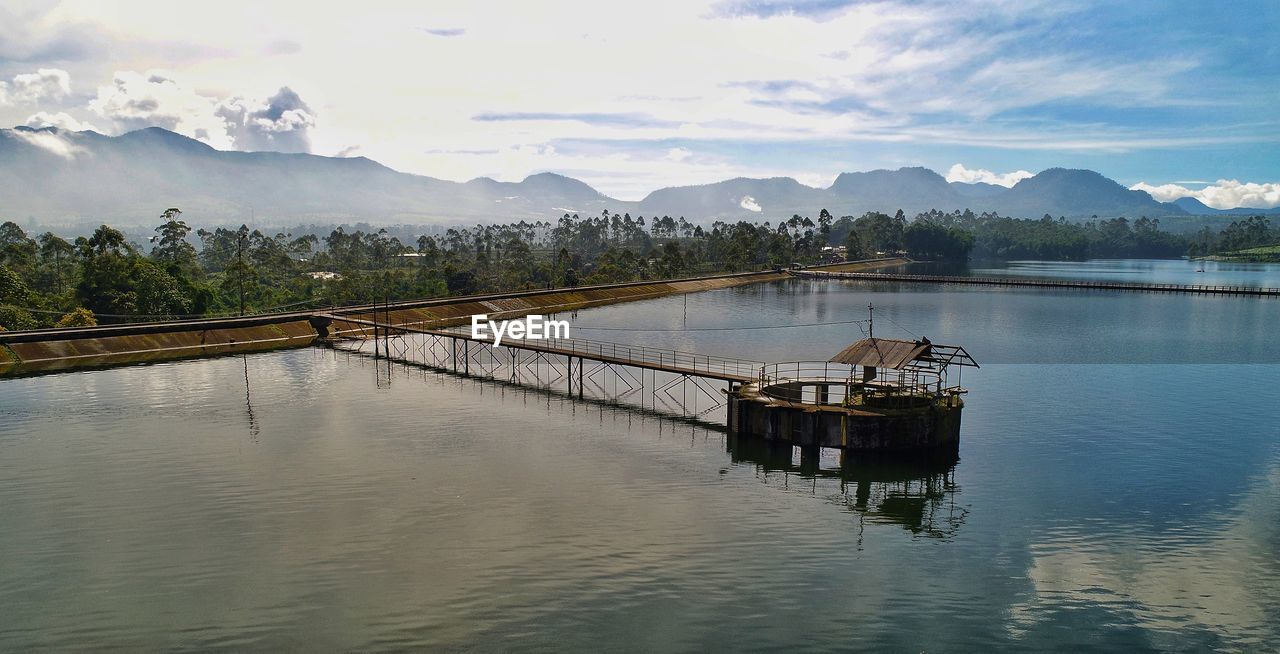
61,350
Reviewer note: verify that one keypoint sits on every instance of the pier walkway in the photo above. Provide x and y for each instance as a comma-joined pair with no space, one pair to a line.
1041,283
670,361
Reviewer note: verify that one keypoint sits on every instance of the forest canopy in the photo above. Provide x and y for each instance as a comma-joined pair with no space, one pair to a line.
181,271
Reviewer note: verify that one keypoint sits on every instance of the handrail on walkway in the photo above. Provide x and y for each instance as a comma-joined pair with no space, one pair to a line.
619,353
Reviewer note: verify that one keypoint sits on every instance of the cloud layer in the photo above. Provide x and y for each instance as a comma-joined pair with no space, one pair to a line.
753,88
281,123
30,88
136,100
1224,194
958,173
50,142
61,120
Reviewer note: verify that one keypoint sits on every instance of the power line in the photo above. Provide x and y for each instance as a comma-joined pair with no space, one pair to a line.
900,326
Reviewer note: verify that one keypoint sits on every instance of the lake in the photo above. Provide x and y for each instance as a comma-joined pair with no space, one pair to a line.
1151,271
1118,488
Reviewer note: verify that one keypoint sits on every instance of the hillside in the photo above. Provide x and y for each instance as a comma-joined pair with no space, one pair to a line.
85,177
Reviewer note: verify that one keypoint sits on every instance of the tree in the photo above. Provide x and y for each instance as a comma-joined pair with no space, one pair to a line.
459,282
429,250
853,247
158,293
172,247
672,262
17,252
931,240
78,317
106,277
59,250
15,298
880,232
239,273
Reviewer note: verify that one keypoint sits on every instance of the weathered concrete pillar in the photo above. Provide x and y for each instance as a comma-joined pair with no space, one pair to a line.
810,459
731,406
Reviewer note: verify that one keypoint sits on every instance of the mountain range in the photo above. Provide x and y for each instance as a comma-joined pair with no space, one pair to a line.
79,178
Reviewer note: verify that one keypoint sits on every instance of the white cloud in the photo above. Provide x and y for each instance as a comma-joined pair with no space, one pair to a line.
897,61
281,123
55,144
1164,192
136,100
921,75
749,203
1224,194
958,173
61,120
679,154
29,88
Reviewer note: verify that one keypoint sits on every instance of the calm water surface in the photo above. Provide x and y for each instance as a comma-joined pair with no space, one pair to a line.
1154,271
1118,488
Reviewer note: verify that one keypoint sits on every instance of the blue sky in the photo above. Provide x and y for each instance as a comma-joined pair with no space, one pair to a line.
634,96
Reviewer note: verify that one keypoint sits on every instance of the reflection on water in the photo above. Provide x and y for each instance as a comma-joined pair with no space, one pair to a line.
1213,584
286,500
248,400
1148,271
917,493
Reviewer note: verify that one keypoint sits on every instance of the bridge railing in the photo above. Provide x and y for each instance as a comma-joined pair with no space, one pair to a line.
805,370
636,355
775,378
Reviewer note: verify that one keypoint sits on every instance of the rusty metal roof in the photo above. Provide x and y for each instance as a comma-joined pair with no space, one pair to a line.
882,353
898,354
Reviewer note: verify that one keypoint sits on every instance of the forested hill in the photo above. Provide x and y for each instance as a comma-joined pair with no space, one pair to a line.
85,178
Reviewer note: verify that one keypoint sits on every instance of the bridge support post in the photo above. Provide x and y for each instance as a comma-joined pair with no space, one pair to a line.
810,459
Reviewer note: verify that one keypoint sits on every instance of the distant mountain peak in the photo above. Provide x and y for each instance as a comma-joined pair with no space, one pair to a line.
34,130
548,175
84,177
1080,192
1193,206
167,137
555,182
911,174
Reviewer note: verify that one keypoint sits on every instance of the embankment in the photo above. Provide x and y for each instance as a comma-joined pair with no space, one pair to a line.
49,350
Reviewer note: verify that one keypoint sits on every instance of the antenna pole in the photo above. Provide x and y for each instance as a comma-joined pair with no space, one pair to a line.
871,321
